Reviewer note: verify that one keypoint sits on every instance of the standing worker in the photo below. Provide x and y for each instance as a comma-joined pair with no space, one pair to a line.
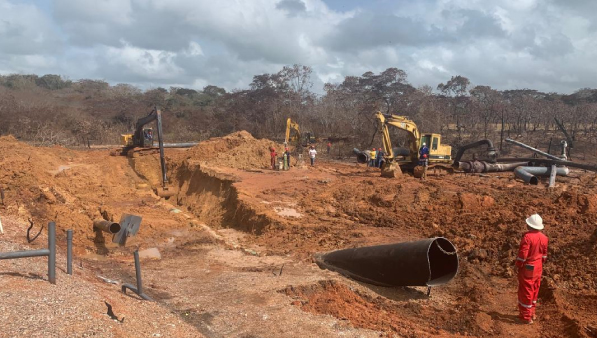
372,155
424,159
286,159
329,147
531,256
273,155
312,153
379,157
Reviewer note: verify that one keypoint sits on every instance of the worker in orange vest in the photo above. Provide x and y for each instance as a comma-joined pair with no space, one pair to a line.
531,256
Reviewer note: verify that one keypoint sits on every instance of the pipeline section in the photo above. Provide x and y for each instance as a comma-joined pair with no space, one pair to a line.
490,150
520,144
590,167
364,156
180,145
427,262
486,167
529,174
106,226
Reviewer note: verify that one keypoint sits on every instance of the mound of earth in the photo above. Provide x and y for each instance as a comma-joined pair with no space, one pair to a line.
238,150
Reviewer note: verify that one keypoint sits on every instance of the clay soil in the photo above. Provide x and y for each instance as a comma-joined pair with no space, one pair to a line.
237,244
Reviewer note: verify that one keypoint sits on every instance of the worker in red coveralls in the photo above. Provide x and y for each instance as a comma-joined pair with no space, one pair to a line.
531,256
273,155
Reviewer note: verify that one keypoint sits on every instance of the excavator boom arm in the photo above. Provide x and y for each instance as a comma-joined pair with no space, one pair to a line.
402,123
154,115
291,125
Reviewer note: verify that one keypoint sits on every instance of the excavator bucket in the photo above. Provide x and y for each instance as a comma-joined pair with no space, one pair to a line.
165,192
418,171
391,170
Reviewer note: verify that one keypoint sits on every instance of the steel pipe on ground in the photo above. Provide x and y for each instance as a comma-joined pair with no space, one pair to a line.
490,150
362,156
520,144
528,174
106,226
570,164
486,167
426,262
180,145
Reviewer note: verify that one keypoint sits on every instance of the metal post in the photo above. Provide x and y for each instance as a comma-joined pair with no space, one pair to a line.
69,252
52,254
552,176
139,289
138,272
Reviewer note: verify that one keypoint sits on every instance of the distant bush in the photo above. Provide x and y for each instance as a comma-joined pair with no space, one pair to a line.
53,82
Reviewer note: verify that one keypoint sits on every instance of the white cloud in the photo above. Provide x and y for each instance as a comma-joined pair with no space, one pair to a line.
547,45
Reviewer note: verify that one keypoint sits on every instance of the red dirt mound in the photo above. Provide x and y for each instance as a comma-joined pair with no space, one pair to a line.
238,150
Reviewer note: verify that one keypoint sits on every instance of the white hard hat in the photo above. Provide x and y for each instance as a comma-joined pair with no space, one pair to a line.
535,221
424,143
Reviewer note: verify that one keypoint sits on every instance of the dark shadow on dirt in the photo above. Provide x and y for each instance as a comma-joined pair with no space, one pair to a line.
505,318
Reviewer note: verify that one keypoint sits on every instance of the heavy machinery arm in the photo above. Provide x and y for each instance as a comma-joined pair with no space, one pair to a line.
139,141
291,125
403,123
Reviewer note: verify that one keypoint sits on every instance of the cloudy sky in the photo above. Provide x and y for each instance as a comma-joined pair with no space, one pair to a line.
549,45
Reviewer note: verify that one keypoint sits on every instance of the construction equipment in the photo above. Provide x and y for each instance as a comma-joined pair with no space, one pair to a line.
438,153
297,139
141,142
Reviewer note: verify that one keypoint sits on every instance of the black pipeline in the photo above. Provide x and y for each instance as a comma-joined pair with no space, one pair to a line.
427,262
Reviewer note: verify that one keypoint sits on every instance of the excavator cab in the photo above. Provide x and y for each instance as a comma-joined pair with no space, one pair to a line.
437,151
309,139
146,141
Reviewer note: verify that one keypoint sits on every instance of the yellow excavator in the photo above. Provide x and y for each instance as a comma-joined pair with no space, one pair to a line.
438,153
296,139
142,141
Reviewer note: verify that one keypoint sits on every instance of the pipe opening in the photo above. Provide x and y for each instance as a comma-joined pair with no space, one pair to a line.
443,261
114,228
362,158
534,180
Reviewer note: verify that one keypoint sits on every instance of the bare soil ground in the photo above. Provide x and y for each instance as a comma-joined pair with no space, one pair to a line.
238,239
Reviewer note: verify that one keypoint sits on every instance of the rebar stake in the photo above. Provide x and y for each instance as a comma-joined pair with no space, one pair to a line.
139,289
69,252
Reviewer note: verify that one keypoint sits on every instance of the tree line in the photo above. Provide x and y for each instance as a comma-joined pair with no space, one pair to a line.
50,109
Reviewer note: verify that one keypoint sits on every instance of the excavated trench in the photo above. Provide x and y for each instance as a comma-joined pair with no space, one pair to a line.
209,195
214,199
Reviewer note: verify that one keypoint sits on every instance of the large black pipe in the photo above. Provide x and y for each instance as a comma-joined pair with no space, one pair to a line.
486,167
520,144
362,156
590,167
426,262
490,150
528,174
180,145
